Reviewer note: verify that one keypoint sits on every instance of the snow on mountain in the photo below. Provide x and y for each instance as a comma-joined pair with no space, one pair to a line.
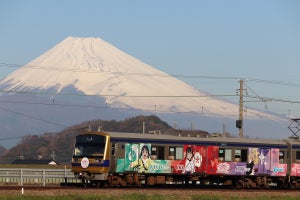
95,67
105,82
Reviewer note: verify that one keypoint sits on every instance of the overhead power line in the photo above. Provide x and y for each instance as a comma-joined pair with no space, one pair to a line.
34,118
283,83
54,68
116,95
272,99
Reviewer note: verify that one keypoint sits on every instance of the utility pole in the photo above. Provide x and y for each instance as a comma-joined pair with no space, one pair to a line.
53,155
239,123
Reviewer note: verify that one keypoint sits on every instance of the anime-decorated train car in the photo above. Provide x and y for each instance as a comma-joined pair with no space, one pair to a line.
128,159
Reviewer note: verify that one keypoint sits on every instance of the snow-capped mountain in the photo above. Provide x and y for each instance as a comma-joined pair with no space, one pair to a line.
90,72
95,67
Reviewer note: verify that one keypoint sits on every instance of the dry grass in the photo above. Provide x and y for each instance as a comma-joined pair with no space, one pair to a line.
145,193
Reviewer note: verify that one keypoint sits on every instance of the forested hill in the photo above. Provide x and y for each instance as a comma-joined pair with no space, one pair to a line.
58,146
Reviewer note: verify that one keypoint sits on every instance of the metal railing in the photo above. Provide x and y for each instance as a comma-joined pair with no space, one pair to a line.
31,176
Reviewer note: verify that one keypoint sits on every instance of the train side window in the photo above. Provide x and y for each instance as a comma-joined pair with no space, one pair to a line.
221,154
244,155
240,155
281,157
171,153
225,155
153,152
237,155
161,153
179,153
175,153
297,156
157,152
228,154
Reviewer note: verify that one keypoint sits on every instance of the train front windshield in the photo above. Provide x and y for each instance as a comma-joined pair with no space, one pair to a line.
89,146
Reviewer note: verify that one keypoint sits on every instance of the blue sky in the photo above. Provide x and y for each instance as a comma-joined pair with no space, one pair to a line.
208,44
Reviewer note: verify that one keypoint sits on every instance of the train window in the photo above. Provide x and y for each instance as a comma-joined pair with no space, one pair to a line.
237,155
221,154
179,153
175,153
297,156
228,154
281,157
225,154
161,153
240,155
244,155
153,152
171,151
157,152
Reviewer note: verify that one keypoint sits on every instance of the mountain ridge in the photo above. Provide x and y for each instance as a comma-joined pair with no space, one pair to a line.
61,143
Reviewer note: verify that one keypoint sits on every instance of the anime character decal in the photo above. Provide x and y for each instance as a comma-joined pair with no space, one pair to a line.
143,163
194,160
189,161
259,161
138,158
202,159
252,161
198,160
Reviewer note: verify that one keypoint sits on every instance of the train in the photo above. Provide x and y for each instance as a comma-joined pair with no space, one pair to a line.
122,159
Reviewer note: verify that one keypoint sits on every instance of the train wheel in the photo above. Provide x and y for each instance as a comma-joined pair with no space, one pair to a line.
291,186
264,186
280,185
101,184
85,183
239,185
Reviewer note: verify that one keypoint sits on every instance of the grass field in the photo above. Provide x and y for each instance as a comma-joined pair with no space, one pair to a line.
145,195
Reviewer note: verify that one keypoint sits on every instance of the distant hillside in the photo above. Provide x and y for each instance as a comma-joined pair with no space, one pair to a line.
2,150
58,146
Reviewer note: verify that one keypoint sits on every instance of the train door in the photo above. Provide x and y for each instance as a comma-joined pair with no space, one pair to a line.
212,159
200,158
264,164
113,156
161,153
278,162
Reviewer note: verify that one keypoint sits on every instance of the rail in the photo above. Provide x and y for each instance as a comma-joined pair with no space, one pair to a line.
30,176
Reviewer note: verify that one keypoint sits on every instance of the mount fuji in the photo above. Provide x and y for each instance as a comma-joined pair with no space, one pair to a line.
83,79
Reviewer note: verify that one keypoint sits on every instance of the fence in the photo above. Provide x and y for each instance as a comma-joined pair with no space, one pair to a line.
44,177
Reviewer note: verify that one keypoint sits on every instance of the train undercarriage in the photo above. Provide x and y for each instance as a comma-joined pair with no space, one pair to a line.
196,180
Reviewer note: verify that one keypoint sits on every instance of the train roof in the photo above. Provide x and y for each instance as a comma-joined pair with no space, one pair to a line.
175,139
206,141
